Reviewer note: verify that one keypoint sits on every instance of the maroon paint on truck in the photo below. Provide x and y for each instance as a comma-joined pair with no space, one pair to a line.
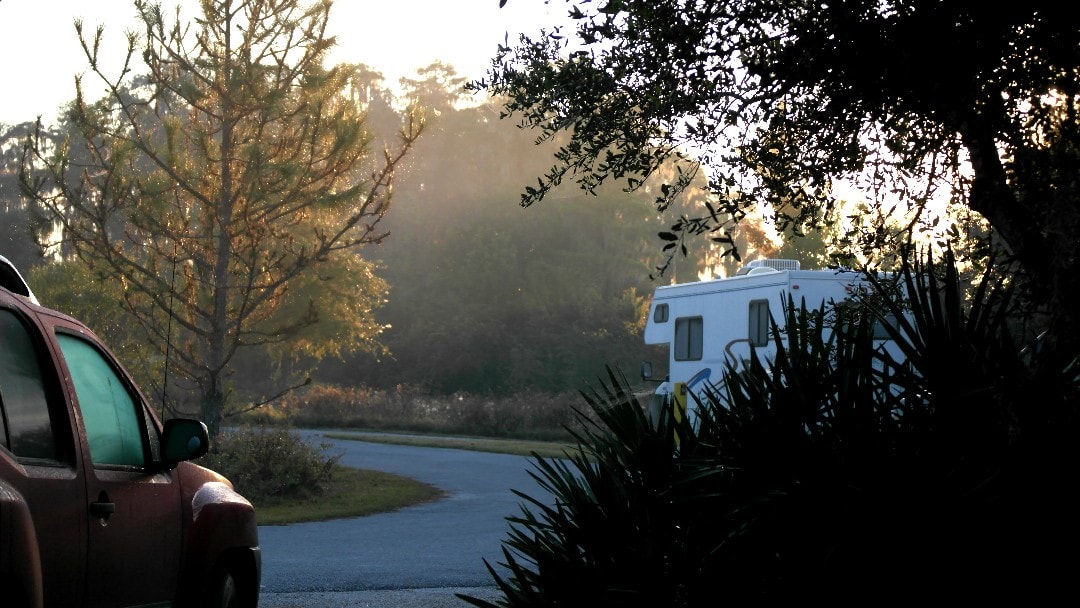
77,534
18,547
221,521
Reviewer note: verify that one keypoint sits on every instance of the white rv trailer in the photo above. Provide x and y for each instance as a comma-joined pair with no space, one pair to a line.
706,324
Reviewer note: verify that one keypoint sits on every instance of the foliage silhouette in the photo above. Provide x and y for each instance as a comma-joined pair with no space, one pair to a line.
835,472
782,103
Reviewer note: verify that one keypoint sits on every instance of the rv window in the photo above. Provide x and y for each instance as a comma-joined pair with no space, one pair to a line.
849,312
759,322
688,339
881,332
660,314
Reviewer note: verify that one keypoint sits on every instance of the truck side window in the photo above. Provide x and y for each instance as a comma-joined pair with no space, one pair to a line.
113,427
688,338
759,322
25,423
660,314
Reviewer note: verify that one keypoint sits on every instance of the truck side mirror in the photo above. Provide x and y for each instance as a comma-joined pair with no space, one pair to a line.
183,439
646,370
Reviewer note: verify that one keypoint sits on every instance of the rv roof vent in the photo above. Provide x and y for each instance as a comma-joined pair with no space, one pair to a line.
761,270
773,264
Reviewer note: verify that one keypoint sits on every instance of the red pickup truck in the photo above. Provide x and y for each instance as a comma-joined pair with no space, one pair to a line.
99,503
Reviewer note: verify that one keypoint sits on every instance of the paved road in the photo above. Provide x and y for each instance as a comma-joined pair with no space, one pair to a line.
417,557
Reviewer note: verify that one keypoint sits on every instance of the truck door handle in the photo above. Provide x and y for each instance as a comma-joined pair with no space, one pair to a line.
103,507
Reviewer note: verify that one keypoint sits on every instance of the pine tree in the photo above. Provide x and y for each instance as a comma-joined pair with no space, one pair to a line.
229,188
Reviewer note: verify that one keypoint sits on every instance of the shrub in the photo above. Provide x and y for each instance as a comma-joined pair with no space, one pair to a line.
270,463
836,474
530,415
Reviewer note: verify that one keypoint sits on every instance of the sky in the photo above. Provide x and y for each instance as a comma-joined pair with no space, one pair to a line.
396,37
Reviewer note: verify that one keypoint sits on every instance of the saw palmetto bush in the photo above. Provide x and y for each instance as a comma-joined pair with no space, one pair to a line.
835,472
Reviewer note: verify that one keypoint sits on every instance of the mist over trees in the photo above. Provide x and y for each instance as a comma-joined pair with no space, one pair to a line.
488,297
16,240
478,294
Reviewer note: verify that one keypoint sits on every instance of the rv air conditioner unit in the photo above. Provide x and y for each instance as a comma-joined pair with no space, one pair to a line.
773,264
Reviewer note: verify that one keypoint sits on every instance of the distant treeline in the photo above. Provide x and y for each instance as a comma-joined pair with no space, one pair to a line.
485,296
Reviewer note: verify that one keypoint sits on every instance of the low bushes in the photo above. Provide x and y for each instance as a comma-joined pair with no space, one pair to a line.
529,415
264,459
270,462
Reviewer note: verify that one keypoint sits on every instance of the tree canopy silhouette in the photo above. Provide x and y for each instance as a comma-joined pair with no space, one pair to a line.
780,101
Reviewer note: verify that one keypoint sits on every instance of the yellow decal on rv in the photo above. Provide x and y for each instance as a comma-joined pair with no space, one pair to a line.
680,401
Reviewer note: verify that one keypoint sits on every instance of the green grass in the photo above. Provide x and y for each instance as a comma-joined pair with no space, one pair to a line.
350,493
518,447
359,492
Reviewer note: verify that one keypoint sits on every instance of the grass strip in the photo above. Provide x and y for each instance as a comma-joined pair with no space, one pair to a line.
359,492
519,447
350,493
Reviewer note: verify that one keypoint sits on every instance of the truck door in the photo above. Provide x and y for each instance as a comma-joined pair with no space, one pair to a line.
133,511
41,484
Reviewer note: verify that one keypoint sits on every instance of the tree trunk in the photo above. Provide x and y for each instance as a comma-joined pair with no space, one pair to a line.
213,406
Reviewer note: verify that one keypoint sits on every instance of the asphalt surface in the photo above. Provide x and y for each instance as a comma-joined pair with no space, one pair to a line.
417,557
401,598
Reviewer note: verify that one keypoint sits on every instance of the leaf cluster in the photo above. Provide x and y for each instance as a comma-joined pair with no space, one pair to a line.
780,101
